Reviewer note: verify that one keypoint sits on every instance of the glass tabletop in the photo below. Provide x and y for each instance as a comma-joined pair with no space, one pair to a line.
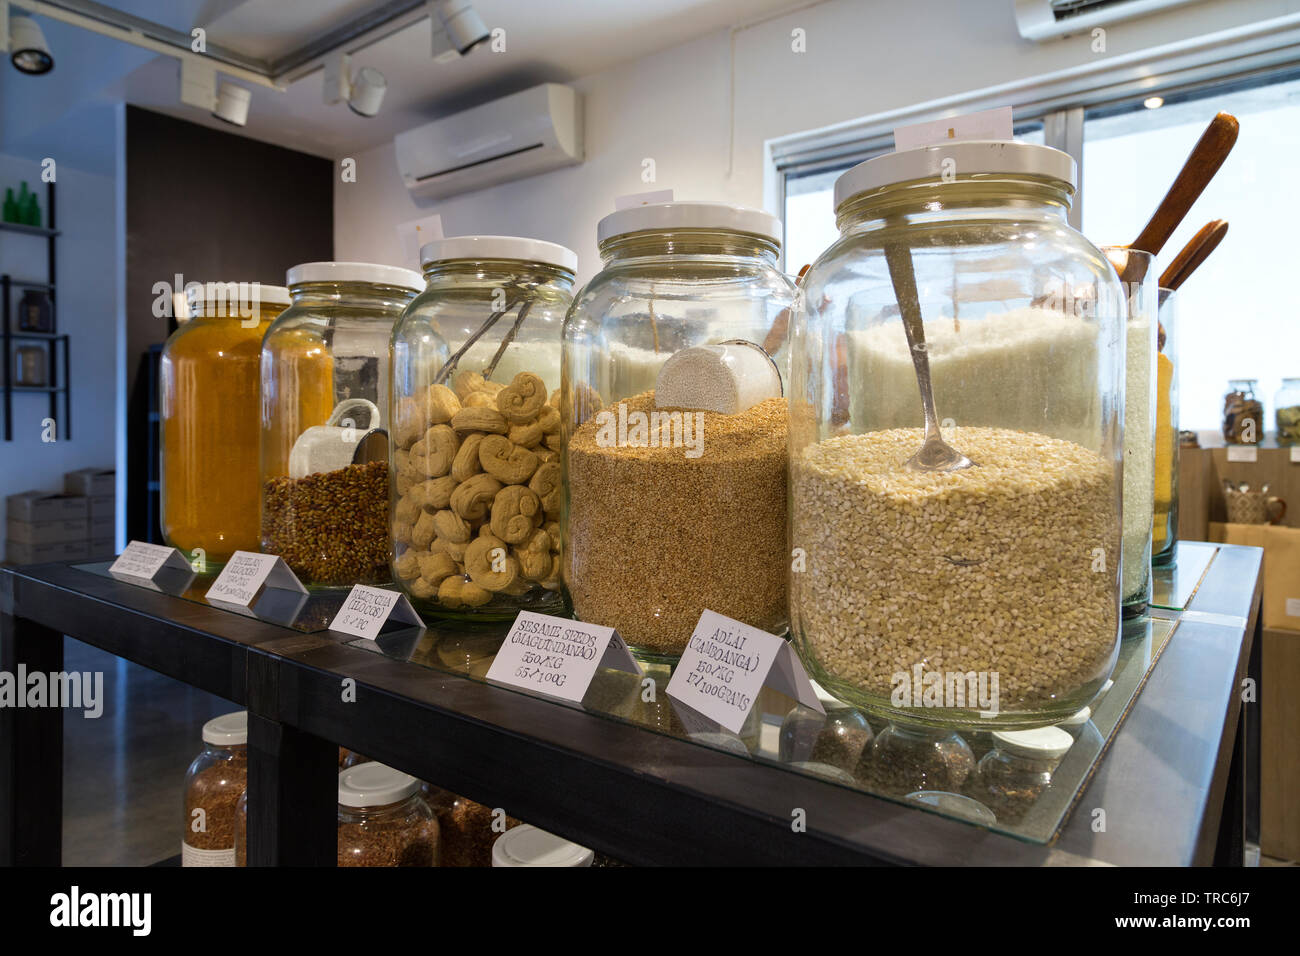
936,771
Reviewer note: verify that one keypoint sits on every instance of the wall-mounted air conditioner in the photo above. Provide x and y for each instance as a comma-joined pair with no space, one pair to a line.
526,133
1049,19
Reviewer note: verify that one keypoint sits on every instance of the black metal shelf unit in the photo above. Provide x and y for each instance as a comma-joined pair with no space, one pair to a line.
59,382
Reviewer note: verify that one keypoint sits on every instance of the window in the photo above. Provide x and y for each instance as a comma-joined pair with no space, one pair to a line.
1229,326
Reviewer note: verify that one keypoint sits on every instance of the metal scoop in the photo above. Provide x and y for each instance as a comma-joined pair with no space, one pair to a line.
935,453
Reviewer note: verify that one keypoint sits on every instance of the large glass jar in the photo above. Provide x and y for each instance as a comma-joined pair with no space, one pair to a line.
208,386
1164,534
214,783
325,393
383,819
476,446
672,510
986,595
1286,412
1243,413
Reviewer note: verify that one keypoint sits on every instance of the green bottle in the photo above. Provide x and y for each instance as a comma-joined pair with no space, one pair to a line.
33,217
10,207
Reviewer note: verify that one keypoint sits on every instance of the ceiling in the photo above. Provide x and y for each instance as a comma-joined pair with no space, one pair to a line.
545,40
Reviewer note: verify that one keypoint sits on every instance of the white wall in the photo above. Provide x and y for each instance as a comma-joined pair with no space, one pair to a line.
862,58
87,311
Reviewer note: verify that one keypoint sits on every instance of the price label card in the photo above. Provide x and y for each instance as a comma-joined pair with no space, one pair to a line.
727,663
366,609
144,561
1243,453
986,124
1293,607
558,657
246,573
1295,454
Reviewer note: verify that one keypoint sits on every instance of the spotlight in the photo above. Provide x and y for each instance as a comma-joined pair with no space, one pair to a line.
457,28
1153,102
232,104
364,93
30,53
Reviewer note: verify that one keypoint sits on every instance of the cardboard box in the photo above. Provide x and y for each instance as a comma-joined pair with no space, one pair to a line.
91,482
46,506
102,548
1279,747
17,552
103,506
102,527
49,532
1282,578
1252,535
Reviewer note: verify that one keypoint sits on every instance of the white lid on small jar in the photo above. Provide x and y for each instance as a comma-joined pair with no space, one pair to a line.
498,247
197,296
668,216
228,730
1040,743
374,785
364,272
1077,719
968,157
525,845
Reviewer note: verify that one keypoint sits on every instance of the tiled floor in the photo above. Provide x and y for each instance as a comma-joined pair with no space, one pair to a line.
124,771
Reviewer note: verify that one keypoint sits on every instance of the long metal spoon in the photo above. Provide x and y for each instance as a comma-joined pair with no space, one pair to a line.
935,453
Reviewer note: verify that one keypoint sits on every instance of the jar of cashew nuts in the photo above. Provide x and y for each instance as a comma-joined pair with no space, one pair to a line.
475,470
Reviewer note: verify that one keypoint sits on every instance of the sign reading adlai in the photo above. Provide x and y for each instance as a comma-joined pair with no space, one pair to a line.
558,657
727,663
143,560
246,573
366,609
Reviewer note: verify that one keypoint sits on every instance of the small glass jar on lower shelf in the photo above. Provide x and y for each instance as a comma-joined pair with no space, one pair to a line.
214,784
837,737
1164,535
1243,413
908,757
383,820
476,493
1014,774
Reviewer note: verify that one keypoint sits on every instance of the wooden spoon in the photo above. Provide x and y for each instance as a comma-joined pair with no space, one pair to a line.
1192,255
1202,163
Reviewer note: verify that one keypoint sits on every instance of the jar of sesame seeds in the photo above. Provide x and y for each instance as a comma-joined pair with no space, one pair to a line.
675,505
980,591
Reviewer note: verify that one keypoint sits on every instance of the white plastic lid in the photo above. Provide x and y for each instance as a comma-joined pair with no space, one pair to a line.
195,297
1041,743
369,272
526,845
499,247
666,216
968,157
228,730
1078,719
374,785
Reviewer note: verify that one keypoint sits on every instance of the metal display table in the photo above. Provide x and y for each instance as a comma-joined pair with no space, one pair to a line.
1170,780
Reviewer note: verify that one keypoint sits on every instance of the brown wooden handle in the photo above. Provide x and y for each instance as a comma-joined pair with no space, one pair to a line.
1193,254
1202,163
1281,512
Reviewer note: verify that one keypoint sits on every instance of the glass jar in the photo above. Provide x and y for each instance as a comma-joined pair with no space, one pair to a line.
836,738
476,452
1164,533
383,820
213,785
468,829
325,393
986,595
908,757
241,830
1141,333
528,846
208,388
1286,412
668,512
1014,774
1243,413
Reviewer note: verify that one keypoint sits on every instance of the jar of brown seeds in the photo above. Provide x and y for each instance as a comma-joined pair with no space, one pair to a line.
213,785
383,820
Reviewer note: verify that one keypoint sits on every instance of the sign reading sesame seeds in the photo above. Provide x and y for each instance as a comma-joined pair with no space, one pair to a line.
246,573
366,609
145,561
558,657
726,664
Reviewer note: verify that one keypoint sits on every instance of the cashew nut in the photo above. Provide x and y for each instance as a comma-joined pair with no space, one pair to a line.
454,549
433,494
403,483
408,423
423,531
506,461
451,526
402,532
440,404
548,485
465,465
439,446
516,513
479,420
472,498
423,589
407,566
465,383
436,565
526,436
490,565
406,511
548,419
534,554
522,399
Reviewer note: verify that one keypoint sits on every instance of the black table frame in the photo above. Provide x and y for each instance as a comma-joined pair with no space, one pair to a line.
1178,784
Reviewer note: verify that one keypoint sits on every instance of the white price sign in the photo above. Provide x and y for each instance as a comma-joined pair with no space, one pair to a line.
558,657
144,561
246,573
1243,453
366,609
727,663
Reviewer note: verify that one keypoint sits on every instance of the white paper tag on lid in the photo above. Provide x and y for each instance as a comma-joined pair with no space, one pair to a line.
651,198
246,573
366,609
727,663
986,124
558,657
143,560
1243,453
